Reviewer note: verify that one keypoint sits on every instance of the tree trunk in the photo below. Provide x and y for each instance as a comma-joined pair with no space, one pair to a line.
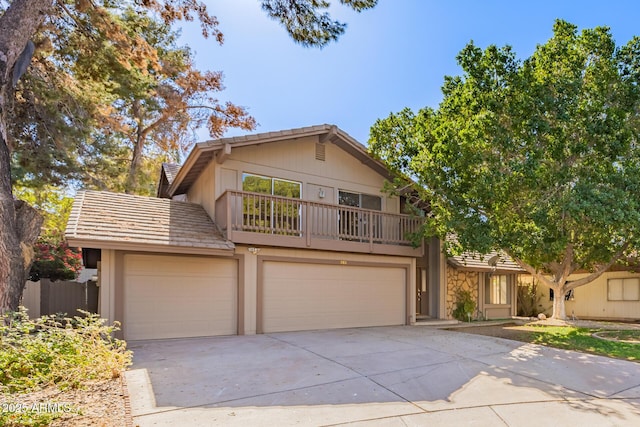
558,304
136,158
19,222
20,229
138,145
558,278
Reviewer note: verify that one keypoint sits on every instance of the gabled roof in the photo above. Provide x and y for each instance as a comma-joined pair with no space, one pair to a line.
204,152
170,170
493,261
105,220
168,174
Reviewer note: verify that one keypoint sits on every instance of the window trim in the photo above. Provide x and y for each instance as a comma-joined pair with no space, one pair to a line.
269,211
622,279
359,194
272,179
488,291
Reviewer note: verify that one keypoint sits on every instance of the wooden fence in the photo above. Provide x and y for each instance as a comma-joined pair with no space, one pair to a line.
46,297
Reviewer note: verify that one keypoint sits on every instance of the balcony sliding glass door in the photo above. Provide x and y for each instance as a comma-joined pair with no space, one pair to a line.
268,214
353,223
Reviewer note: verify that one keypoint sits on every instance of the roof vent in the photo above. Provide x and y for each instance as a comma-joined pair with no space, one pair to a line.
320,151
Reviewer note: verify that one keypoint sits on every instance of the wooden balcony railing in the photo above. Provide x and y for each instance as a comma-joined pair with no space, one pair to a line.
262,219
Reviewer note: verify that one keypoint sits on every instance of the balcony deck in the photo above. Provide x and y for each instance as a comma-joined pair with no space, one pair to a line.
265,220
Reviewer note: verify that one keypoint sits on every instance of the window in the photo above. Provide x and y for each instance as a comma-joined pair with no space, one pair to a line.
496,289
267,214
364,201
623,289
353,224
274,186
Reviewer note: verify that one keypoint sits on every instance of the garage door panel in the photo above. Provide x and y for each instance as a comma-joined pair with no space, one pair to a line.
303,296
170,297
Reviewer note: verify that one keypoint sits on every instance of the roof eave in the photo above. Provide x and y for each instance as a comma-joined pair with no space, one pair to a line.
143,247
487,269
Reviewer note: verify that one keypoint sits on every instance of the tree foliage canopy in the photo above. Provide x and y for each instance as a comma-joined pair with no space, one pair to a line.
109,87
110,94
538,158
307,21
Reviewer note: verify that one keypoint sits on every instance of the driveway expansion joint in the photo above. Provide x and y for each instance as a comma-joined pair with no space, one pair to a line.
356,372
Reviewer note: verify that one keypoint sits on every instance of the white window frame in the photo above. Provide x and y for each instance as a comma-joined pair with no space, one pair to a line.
298,224
273,179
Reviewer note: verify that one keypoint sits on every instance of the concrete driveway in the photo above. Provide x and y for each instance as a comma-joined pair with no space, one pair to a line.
390,376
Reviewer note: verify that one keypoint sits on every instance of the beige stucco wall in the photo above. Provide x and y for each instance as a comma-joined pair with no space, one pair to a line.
107,278
292,160
202,190
460,280
590,301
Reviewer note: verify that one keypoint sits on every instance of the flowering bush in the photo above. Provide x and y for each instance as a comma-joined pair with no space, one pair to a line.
55,261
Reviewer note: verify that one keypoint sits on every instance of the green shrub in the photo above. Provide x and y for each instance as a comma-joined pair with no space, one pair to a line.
65,352
465,305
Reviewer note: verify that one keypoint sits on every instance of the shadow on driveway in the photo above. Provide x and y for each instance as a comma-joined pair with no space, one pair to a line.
388,376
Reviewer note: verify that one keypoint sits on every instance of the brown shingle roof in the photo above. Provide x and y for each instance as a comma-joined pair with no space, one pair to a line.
170,171
478,262
105,220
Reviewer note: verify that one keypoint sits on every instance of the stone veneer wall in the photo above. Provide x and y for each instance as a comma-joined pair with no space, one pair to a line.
460,280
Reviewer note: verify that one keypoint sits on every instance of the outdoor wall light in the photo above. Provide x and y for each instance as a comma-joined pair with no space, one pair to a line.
254,250
321,193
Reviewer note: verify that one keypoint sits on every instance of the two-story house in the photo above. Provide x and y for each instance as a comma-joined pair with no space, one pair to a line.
285,231
278,231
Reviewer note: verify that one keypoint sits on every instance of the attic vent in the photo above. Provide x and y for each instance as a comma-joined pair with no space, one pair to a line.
320,154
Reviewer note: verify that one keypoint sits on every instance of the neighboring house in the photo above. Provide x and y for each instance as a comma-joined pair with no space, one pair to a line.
613,296
278,231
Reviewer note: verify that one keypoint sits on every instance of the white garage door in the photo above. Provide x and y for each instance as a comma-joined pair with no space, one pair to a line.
301,296
174,296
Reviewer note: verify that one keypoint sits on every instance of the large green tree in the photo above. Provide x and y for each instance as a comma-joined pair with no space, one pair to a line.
89,110
87,107
538,158
26,28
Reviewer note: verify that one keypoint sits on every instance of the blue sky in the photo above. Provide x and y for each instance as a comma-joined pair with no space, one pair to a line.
390,57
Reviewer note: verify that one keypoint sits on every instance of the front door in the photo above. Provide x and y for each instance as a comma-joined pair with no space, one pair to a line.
422,293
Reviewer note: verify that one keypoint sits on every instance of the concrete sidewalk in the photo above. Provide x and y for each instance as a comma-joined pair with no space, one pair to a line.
390,376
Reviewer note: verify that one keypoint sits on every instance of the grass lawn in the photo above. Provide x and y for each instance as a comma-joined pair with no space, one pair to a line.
581,339
568,338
